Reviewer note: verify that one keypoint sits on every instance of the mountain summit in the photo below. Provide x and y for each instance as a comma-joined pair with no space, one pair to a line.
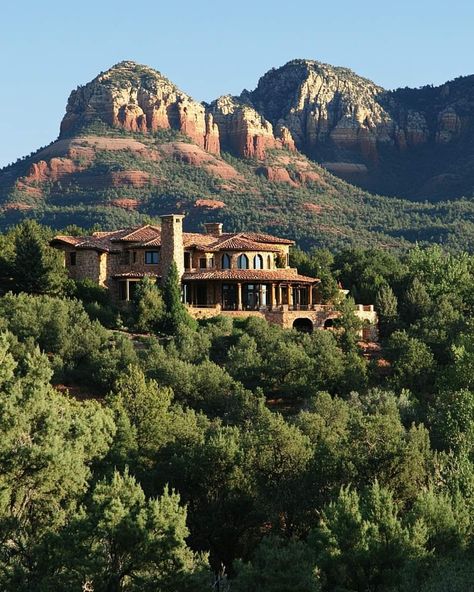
133,144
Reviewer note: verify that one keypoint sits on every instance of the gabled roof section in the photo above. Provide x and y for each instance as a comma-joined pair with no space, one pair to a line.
92,243
239,243
150,236
260,237
139,235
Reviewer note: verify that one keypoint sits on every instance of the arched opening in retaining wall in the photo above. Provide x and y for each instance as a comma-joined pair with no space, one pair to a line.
303,325
328,323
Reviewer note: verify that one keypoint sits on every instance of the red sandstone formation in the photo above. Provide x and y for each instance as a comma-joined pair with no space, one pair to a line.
245,132
277,175
311,207
53,170
198,157
125,203
140,99
212,204
131,179
308,177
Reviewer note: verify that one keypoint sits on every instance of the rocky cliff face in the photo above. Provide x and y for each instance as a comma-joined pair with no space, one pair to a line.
139,99
332,109
244,131
408,142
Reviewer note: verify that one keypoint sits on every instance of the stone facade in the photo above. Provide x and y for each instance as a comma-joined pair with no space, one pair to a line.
172,249
234,274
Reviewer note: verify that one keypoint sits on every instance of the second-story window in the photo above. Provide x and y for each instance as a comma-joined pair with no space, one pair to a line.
203,263
187,260
152,257
269,261
258,262
242,262
225,261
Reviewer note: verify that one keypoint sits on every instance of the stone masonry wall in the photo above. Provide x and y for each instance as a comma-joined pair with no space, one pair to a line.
172,243
88,265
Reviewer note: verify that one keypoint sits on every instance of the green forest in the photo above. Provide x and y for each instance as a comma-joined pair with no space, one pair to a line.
141,450
323,212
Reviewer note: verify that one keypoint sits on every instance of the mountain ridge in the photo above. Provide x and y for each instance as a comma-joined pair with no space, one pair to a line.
133,142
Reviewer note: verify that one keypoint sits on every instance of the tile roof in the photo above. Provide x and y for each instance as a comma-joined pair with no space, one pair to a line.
261,237
85,242
195,239
140,234
238,243
150,235
284,275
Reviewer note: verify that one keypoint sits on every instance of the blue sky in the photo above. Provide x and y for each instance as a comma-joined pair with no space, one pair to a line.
210,48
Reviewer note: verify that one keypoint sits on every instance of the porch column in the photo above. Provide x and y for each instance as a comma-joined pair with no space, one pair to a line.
290,295
272,297
239,296
127,290
310,295
260,295
280,295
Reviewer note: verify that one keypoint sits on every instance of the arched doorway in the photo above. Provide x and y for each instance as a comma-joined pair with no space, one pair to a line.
303,325
328,323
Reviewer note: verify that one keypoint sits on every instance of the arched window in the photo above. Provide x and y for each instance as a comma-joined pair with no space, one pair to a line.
225,261
269,261
258,262
243,262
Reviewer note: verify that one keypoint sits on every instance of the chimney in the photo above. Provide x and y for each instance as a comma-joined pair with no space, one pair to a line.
214,228
172,243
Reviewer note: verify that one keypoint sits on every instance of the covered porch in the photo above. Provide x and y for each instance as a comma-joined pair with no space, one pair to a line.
249,296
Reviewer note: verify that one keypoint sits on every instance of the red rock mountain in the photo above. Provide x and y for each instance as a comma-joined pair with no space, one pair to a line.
355,128
132,144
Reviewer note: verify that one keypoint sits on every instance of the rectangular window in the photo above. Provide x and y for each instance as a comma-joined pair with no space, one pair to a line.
134,256
203,263
152,257
187,260
72,258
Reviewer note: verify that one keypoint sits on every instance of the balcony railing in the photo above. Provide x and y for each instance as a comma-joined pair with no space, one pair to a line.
265,308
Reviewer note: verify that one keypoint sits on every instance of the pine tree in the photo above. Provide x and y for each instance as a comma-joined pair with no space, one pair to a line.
148,306
36,268
387,303
176,313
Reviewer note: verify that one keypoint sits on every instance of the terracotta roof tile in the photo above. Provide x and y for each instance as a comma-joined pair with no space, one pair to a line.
238,243
140,234
150,235
84,242
284,275
195,239
261,237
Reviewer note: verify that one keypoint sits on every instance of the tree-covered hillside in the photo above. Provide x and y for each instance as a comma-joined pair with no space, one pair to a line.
115,178
140,450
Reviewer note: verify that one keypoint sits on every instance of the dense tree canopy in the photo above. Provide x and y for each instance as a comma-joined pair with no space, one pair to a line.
233,454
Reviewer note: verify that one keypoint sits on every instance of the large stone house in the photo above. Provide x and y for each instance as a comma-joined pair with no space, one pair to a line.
237,274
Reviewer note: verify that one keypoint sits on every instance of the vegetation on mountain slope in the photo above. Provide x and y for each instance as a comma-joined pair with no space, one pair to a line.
133,146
